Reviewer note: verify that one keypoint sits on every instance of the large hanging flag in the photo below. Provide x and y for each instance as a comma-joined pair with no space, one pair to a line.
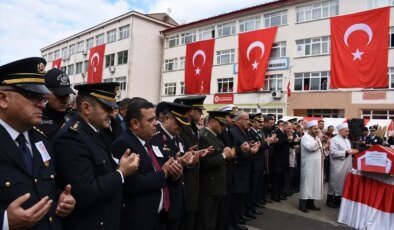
359,49
56,63
198,67
254,51
96,61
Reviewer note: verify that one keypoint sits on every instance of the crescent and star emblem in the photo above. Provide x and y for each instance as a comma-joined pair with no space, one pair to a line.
356,27
94,64
253,45
197,53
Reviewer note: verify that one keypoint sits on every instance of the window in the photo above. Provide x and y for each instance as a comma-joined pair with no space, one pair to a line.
182,87
372,4
70,69
249,24
391,78
188,37
226,29
124,32
275,19
248,110
111,36
317,11
273,82
57,54
64,52
391,37
169,89
225,56
108,80
64,69
109,60
313,46
122,57
78,68
50,56
122,83
278,50
225,85
72,49
172,41
182,63
89,43
170,64
315,81
277,112
85,66
206,33
99,39
377,114
332,113
80,46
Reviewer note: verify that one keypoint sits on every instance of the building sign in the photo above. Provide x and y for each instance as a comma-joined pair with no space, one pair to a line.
273,64
221,98
374,95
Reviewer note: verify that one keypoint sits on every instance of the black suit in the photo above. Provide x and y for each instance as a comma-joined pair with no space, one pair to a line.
143,189
110,134
375,140
15,180
170,147
280,163
84,161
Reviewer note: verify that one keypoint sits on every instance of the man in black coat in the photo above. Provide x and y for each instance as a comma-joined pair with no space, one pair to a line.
146,193
280,161
84,161
28,194
212,171
372,139
56,112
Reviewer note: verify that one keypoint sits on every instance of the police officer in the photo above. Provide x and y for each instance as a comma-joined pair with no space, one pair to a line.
372,139
56,111
28,194
84,160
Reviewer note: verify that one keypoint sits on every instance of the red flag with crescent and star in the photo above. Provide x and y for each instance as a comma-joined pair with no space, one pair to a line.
198,67
359,49
96,61
254,51
56,63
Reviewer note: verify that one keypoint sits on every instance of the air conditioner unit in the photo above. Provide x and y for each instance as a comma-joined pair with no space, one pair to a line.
84,52
112,69
300,50
277,95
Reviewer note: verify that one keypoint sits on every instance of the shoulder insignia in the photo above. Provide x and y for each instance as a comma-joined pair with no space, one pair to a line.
75,127
40,131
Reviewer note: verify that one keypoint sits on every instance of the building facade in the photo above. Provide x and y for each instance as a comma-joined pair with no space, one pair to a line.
133,53
300,55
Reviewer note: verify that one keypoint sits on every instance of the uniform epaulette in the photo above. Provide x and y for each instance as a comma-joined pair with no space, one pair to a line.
75,127
40,131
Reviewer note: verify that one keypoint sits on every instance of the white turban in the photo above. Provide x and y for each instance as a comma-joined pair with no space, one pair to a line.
311,123
342,126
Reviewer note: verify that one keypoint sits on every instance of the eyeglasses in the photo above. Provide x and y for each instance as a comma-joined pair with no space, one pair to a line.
34,97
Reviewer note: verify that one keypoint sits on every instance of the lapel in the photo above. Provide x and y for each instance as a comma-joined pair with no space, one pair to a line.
93,134
170,142
9,148
138,148
37,159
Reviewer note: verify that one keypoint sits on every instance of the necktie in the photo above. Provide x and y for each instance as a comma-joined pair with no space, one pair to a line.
156,165
27,156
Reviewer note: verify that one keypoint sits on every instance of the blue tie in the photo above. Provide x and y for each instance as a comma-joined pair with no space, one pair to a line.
27,156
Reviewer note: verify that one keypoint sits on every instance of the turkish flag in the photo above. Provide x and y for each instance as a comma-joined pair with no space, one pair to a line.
56,63
288,89
359,49
198,67
254,51
96,61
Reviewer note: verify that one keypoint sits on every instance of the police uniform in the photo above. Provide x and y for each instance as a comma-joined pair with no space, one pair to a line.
84,161
189,136
373,140
29,168
212,175
52,120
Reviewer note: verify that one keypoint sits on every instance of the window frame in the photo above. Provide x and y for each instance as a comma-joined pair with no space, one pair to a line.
281,46
170,89
184,37
124,32
100,39
225,85
78,67
306,78
170,39
309,9
276,79
124,57
89,43
243,23
170,62
111,36
230,26
122,82
221,54
206,33
309,43
111,61
281,14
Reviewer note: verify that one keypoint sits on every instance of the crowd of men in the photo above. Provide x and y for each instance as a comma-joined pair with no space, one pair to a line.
131,164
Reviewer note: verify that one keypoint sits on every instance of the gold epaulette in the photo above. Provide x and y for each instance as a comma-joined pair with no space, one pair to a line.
40,131
75,127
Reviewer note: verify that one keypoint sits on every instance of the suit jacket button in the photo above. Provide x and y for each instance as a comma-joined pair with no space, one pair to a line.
52,176
7,184
35,180
101,223
50,219
103,161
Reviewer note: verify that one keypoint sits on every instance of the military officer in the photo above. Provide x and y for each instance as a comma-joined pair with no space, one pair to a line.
212,171
56,111
372,139
84,160
28,194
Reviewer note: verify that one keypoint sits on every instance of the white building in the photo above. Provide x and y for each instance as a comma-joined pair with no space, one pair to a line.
301,55
133,53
